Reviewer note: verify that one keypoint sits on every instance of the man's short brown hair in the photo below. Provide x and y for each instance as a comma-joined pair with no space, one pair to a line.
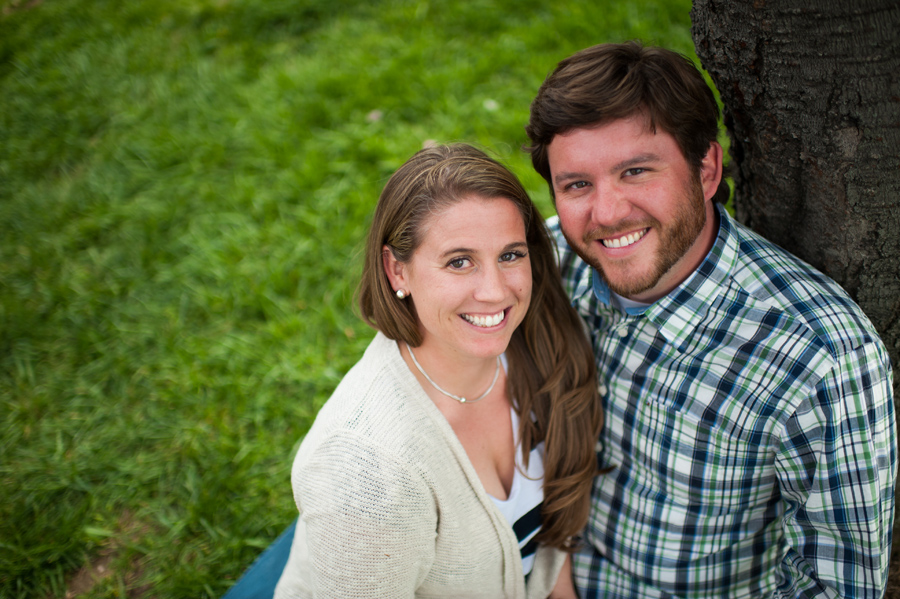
608,82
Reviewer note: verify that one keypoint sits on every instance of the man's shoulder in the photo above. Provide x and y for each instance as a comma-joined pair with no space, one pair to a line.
556,234
575,272
777,278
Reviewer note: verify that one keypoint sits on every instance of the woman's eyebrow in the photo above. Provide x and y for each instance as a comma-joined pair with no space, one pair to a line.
461,250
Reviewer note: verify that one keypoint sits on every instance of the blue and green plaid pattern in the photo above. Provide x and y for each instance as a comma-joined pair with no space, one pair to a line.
749,430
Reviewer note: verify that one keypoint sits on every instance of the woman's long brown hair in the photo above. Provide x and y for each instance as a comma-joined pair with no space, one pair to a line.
551,362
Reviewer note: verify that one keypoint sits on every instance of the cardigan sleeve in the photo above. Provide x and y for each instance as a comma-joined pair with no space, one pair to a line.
371,521
547,565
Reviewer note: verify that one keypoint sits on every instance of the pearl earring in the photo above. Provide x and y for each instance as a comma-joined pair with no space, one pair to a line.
401,294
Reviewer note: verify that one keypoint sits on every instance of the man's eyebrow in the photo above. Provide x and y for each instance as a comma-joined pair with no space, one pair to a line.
560,177
636,160
630,162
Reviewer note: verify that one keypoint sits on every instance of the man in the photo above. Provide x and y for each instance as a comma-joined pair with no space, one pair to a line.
750,434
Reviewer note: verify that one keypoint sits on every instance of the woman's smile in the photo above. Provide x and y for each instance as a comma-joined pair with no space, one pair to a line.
485,321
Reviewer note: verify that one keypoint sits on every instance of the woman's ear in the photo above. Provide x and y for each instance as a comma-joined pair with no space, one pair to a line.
711,170
394,269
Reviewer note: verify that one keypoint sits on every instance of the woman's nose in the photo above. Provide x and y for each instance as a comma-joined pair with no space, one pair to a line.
491,285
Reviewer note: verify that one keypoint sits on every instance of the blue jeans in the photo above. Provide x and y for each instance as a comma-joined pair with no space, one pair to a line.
259,581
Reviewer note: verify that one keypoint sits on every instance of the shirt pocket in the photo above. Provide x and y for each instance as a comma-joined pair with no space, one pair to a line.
705,453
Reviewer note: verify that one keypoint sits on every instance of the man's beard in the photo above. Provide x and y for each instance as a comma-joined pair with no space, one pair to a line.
675,240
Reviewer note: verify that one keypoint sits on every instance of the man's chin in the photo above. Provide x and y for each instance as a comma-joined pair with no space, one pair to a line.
625,288
624,285
629,290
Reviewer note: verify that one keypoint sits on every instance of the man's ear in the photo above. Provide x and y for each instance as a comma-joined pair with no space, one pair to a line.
711,170
394,269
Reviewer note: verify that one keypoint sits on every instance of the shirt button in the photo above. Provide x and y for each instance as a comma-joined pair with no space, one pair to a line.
623,332
602,390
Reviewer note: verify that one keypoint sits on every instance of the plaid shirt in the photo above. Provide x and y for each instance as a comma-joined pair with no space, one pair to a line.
749,430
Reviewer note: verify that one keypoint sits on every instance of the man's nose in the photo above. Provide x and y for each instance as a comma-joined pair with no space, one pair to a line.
609,205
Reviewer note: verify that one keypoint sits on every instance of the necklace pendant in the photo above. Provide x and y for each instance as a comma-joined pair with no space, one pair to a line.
450,395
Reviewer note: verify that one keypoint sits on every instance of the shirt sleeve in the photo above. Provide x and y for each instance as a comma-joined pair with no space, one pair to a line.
370,521
837,468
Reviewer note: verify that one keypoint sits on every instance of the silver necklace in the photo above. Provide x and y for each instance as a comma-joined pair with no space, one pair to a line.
456,397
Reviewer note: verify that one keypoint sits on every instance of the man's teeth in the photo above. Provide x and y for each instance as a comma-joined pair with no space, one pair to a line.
625,240
485,321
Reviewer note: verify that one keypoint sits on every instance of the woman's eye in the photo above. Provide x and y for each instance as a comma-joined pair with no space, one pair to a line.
578,185
512,256
458,263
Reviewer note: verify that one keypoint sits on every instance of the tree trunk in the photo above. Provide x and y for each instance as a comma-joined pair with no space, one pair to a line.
811,90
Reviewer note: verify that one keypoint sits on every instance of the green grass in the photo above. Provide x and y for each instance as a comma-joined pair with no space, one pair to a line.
184,186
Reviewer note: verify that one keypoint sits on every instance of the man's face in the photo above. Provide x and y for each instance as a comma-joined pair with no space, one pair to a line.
631,207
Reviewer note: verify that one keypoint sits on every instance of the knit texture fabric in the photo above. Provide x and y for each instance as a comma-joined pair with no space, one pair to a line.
391,506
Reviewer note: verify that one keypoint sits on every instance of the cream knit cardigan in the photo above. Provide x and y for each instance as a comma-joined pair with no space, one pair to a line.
390,505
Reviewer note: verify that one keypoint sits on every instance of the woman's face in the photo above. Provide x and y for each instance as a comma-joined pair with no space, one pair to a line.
470,278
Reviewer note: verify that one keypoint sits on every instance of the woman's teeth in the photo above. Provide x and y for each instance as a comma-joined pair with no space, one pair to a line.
625,240
485,321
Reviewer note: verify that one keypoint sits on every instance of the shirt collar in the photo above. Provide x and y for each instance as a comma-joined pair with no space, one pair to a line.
603,294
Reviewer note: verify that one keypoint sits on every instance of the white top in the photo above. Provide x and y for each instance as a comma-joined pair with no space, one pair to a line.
522,508
391,506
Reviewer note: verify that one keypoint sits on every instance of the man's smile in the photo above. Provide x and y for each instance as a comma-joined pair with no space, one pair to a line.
624,240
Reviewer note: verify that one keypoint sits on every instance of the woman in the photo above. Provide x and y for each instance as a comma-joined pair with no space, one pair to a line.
465,435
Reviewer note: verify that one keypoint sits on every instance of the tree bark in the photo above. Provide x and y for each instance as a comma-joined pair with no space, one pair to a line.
811,94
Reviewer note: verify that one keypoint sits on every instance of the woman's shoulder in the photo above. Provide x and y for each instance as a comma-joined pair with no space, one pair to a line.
378,403
373,388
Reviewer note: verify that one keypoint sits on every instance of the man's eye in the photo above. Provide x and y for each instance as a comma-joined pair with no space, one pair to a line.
634,171
578,185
